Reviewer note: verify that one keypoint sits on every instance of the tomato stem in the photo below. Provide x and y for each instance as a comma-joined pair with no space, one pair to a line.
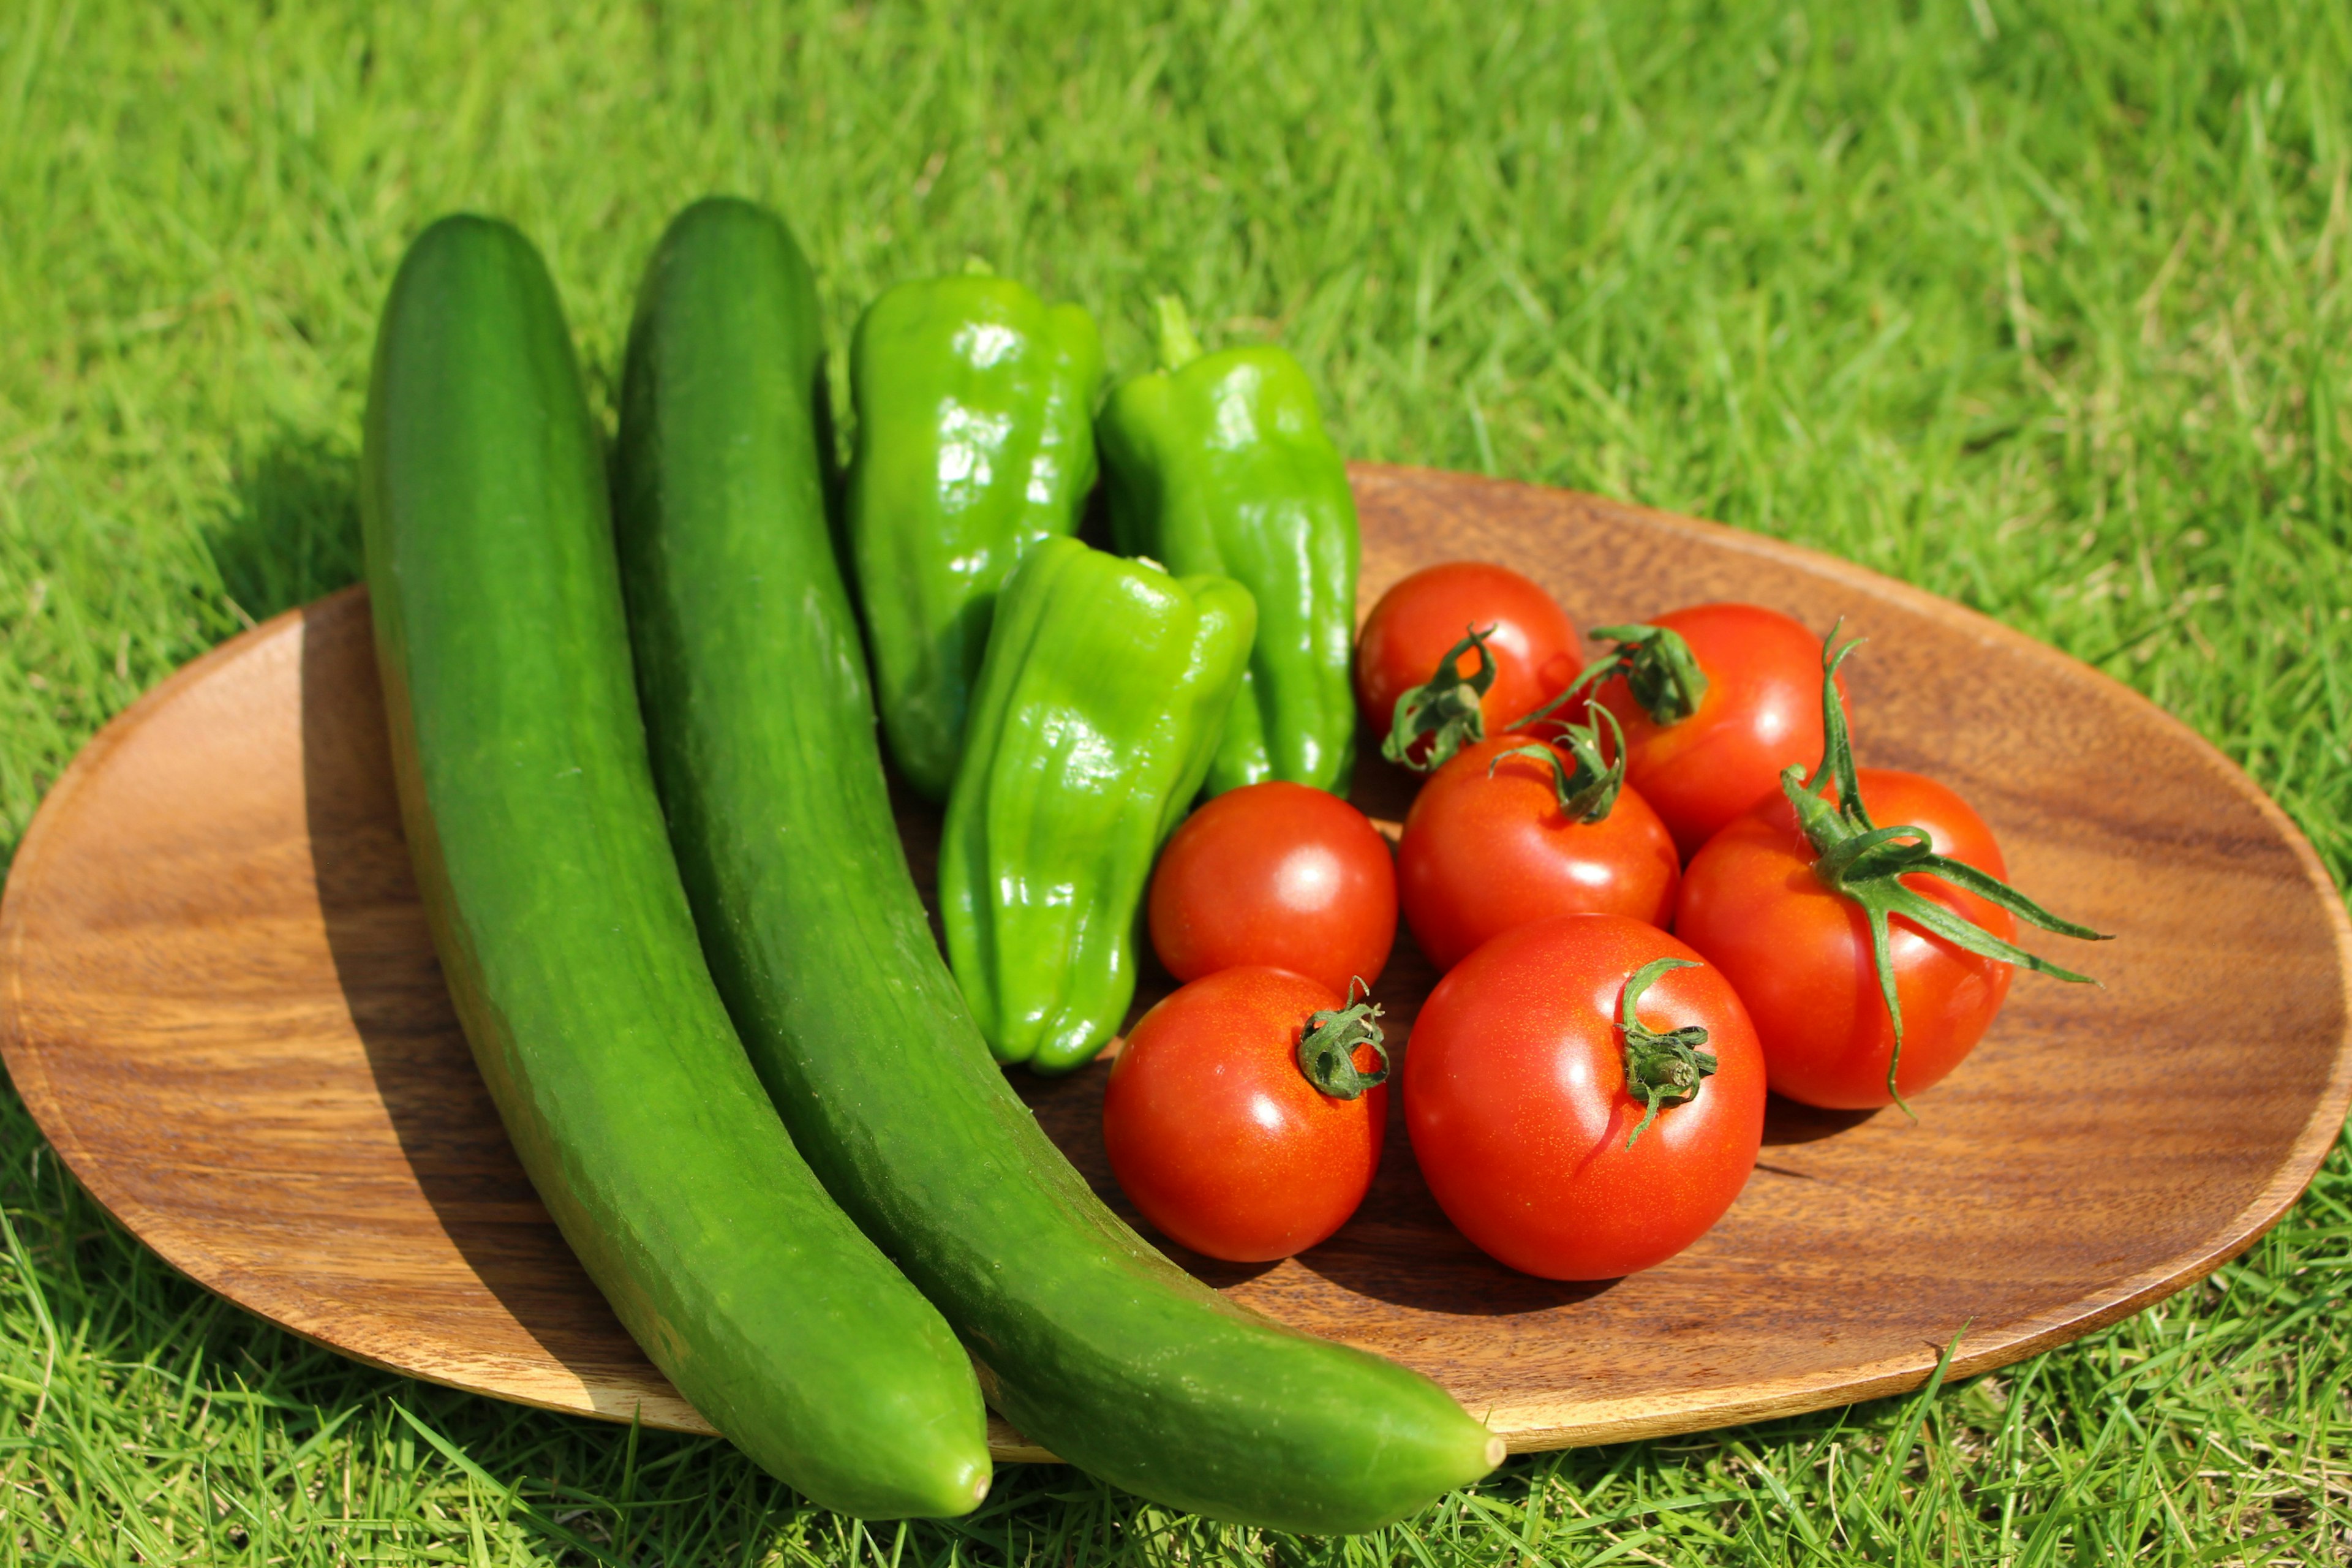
1659,669
1663,1068
1327,1045
1445,708
1859,860
1587,793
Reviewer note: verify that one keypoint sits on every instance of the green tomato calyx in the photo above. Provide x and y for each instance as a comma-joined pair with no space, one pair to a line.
1859,860
1659,669
1328,1046
1445,709
1663,1068
1586,792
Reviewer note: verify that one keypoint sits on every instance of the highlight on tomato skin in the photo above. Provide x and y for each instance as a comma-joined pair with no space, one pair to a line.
1216,1135
1516,1102
1534,644
1275,874
1484,852
1761,711
1799,956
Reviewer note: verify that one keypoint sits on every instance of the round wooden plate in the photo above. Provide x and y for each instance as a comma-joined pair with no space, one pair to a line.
221,1005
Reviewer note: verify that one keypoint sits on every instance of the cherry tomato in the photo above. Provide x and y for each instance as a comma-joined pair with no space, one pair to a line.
1483,854
1762,711
1278,874
1535,648
1800,954
1516,1099
1217,1135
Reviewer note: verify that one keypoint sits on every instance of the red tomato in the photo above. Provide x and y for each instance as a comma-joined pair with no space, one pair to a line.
1516,1099
1481,855
1218,1136
1762,711
1535,646
1800,954
1278,874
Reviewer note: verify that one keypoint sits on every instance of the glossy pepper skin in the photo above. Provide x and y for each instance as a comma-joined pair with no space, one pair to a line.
1098,708
1219,463
975,403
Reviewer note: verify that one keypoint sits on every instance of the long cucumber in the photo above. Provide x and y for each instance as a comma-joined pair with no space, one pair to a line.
762,727
564,934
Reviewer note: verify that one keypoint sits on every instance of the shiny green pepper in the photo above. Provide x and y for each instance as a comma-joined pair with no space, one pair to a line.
976,402
1219,463
1098,708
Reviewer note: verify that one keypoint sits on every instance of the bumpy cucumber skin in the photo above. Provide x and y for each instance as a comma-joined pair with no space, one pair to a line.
763,740
563,931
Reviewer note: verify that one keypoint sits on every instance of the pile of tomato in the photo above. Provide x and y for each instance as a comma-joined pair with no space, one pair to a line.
1656,884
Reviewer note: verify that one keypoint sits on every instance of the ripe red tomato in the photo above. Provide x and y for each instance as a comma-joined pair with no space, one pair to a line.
1762,711
1481,855
1217,1135
1279,874
1535,647
1516,1099
1799,956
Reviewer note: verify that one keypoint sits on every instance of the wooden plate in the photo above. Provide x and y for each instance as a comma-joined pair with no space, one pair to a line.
222,1006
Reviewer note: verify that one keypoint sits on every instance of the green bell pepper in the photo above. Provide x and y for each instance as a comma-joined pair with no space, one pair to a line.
976,402
1098,708
1219,463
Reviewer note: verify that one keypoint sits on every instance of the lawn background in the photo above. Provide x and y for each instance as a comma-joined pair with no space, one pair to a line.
2042,308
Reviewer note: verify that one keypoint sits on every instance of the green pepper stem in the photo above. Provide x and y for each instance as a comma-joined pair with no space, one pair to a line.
1173,326
1859,860
1663,1068
1327,1045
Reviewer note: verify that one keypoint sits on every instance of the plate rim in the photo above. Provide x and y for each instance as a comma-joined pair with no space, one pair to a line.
1526,1426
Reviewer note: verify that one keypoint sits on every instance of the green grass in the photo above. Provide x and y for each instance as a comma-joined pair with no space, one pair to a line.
2049,309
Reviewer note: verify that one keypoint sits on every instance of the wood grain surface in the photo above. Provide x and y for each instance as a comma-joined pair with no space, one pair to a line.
218,999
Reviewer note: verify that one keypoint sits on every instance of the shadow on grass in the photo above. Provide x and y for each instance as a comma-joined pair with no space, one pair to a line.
292,532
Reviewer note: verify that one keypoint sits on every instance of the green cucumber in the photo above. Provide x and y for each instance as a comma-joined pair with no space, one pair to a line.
563,931
759,710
